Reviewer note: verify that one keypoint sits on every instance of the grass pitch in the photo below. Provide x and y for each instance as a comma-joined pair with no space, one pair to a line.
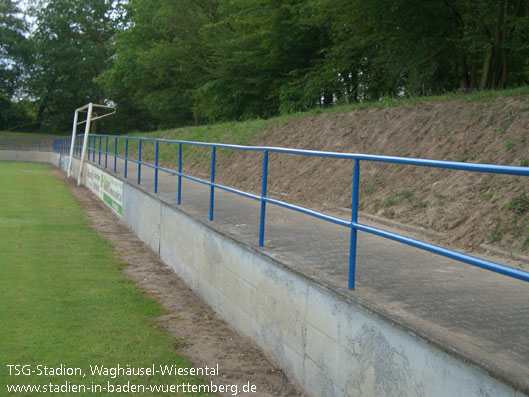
64,300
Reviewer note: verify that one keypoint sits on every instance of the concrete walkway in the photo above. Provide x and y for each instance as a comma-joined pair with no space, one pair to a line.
476,315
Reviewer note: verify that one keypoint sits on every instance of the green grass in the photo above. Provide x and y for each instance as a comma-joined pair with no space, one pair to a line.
236,133
27,135
244,132
64,299
477,96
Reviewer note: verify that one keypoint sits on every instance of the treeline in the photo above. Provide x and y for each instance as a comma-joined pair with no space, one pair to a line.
166,63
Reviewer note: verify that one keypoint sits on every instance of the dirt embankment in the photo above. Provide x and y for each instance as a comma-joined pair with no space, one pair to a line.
468,209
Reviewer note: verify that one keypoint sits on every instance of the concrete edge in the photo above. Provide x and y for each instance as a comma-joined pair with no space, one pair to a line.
345,296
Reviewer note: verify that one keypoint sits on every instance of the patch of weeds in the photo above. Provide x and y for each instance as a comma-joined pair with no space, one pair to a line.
488,195
502,182
526,241
180,344
368,189
520,205
390,202
421,204
440,198
503,128
524,163
515,228
478,111
463,159
390,214
496,233
508,145
406,194
521,138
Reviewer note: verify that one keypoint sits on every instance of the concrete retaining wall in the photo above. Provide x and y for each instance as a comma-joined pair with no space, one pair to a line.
30,156
322,340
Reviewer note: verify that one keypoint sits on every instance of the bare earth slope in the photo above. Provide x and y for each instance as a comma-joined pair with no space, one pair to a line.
467,209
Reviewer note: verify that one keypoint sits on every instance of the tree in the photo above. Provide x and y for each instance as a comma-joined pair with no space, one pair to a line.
14,54
160,60
72,49
256,47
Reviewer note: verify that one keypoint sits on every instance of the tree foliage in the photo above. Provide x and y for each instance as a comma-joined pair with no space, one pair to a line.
257,58
14,53
160,60
71,49
172,62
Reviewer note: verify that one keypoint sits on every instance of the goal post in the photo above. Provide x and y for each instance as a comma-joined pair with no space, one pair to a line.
88,109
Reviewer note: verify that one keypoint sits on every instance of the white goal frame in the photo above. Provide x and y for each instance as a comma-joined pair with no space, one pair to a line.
89,108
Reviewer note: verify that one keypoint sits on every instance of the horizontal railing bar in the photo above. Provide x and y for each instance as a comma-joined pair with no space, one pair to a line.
168,170
22,144
316,214
226,188
454,165
472,260
192,178
236,191
7,140
137,162
501,169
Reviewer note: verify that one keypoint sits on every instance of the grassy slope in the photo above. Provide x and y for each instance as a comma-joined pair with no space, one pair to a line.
64,298
249,132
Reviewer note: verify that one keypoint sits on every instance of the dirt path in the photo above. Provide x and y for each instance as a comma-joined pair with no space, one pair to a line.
202,336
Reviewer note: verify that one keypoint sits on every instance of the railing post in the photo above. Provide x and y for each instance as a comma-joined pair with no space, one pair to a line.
156,168
179,195
263,196
106,151
354,220
139,161
212,188
115,154
39,144
94,154
126,155
99,160
15,143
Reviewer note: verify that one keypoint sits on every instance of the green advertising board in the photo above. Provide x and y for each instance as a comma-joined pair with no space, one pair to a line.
106,187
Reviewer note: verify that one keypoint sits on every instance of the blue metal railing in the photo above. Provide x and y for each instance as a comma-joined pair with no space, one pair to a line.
26,143
62,146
